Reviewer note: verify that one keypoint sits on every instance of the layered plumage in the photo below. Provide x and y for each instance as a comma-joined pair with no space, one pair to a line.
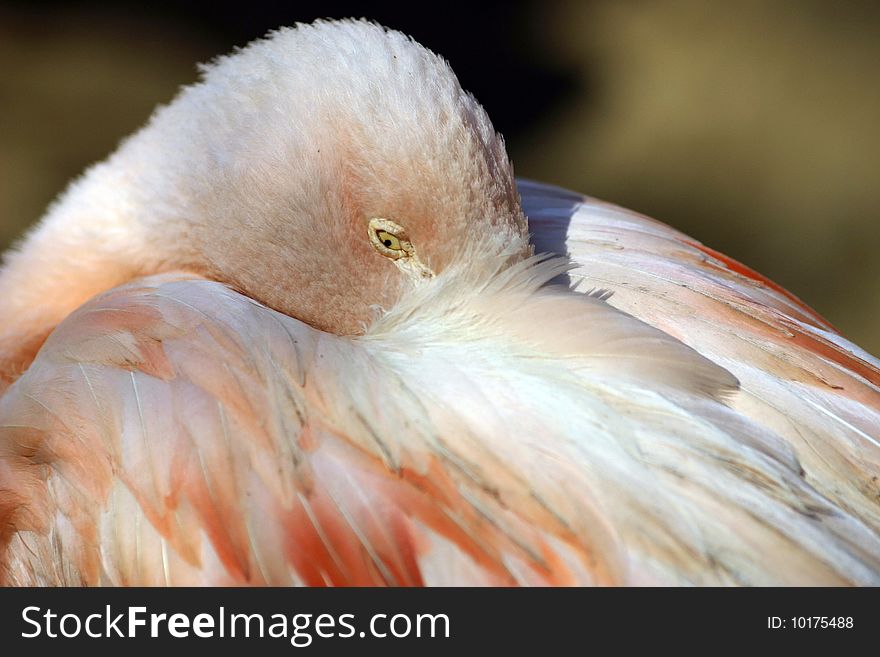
636,409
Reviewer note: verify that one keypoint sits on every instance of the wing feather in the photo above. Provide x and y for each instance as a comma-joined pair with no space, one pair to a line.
799,377
132,454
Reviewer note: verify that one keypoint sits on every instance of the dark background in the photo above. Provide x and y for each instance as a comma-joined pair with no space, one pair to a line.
752,125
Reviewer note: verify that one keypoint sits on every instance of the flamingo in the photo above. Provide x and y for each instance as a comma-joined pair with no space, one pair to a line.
306,328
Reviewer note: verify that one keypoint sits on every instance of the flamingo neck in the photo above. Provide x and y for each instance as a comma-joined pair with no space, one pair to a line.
89,242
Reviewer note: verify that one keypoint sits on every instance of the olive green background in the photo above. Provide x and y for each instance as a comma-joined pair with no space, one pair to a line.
752,125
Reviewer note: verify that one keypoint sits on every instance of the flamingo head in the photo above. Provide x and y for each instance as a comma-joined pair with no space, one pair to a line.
322,171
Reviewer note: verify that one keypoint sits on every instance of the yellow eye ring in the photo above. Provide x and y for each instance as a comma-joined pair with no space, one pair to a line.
388,240
391,240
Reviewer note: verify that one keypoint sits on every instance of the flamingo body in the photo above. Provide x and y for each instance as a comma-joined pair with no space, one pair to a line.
635,409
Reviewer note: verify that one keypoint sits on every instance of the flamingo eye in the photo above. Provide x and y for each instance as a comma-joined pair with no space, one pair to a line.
391,240
388,240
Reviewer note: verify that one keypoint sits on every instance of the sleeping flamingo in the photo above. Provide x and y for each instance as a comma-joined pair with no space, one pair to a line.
306,328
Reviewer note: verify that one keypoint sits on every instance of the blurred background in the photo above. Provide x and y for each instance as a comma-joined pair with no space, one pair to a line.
752,125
